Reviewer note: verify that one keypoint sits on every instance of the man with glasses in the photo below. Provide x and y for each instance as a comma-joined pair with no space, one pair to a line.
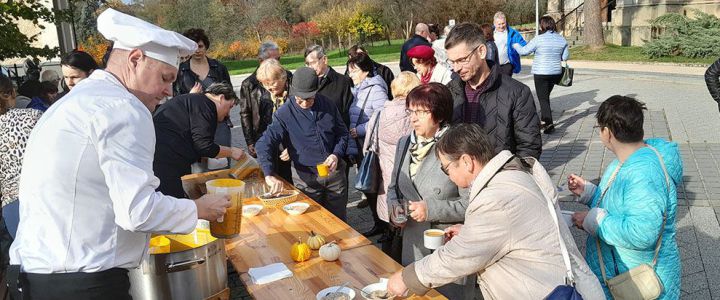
503,106
333,85
312,128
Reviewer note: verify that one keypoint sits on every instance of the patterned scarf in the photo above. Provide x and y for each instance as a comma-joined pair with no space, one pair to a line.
420,148
278,101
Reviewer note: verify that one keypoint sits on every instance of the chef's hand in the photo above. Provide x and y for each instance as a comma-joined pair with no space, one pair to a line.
452,231
578,218
236,153
396,285
251,150
276,185
353,133
576,184
212,206
284,156
332,162
419,210
196,89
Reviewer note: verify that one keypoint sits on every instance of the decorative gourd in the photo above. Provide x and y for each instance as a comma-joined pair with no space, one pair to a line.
330,251
315,241
300,251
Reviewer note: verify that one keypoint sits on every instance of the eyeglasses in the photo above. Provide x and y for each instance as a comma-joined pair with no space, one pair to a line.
445,168
419,112
463,61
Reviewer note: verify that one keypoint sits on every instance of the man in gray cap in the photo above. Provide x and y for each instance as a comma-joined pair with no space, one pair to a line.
87,184
316,136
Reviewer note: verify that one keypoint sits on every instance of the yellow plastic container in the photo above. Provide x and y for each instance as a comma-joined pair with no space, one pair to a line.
229,225
159,245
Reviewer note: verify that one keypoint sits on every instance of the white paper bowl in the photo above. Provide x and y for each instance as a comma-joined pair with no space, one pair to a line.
296,208
251,210
331,289
378,286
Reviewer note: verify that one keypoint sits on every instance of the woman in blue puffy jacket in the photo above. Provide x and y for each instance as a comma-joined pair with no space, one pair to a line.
628,219
370,93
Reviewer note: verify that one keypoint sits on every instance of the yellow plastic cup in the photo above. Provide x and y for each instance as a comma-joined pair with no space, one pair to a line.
228,226
159,244
322,169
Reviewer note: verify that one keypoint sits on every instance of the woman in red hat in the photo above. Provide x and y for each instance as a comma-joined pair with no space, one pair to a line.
423,59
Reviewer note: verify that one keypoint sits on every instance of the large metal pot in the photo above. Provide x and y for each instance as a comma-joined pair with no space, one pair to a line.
192,274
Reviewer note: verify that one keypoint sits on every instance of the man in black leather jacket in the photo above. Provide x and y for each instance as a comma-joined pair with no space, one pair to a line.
422,32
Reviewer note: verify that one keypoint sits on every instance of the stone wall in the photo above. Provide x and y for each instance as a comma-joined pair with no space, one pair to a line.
629,21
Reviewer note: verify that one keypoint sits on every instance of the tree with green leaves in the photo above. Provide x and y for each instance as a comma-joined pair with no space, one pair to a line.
16,43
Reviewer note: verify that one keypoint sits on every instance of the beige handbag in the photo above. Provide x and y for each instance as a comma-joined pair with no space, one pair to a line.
640,282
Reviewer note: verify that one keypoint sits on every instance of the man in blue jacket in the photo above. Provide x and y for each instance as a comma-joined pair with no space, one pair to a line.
505,36
313,129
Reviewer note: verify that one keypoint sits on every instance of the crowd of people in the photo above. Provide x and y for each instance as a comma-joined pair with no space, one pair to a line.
457,140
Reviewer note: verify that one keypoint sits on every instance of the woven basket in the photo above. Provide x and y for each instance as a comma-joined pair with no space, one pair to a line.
280,201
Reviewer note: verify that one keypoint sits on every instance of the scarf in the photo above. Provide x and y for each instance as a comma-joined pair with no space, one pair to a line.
425,79
278,101
420,147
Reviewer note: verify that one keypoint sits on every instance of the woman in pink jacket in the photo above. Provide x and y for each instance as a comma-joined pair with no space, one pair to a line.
394,123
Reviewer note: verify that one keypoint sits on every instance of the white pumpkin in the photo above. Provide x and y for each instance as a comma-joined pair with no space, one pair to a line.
330,251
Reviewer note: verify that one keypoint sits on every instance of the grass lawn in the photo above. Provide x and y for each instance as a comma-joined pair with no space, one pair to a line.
380,52
630,54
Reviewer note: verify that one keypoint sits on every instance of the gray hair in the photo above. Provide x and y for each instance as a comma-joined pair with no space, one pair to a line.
499,16
421,27
224,89
265,48
319,51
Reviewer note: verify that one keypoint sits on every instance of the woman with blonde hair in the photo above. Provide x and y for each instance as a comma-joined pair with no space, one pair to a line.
393,124
274,79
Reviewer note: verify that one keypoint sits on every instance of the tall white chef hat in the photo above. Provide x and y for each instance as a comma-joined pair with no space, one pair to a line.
132,33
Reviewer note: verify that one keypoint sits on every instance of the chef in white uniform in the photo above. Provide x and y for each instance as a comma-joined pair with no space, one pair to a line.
87,189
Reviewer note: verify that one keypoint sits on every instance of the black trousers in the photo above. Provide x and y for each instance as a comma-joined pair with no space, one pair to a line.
113,284
506,69
544,85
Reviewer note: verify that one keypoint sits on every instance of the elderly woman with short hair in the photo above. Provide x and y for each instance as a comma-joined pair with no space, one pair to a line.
434,200
276,85
423,60
634,208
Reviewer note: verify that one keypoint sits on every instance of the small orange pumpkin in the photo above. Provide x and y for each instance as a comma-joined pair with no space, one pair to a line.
300,251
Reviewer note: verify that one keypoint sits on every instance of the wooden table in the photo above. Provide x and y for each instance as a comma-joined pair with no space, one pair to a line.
273,231
267,237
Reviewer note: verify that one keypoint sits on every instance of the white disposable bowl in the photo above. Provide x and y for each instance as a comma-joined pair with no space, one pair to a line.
378,286
296,208
251,210
331,289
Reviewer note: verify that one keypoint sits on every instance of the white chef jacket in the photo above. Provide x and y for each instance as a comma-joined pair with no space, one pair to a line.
87,189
